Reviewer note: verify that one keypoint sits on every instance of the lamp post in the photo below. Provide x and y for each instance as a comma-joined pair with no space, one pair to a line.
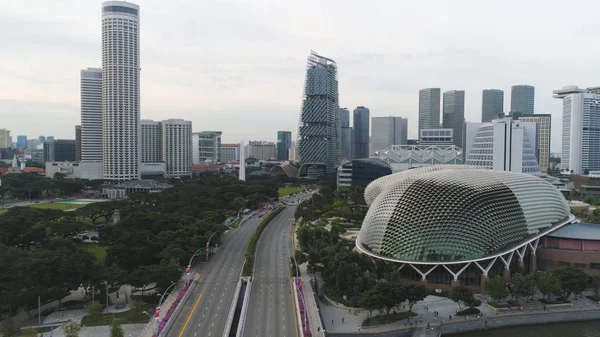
208,244
160,302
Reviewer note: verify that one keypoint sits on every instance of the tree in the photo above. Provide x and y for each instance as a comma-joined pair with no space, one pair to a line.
391,294
595,286
115,329
523,285
548,284
71,329
8,326
59,176
370,301
415,293
462,296
572,280
95,311
496,288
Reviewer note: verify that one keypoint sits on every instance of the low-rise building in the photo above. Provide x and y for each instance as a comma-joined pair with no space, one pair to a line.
361,172
121,190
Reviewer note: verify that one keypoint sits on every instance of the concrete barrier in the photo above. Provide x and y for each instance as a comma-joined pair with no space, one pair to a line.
449,328
177,310
244,312
236,295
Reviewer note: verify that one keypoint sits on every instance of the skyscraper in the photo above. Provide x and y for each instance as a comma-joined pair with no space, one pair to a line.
388,131
360,122
120,91
581,133
319,120
284,142
345,134
91,115
77,142
454,114
522,99
60,150
21,142
492,104
544,123
4,138
429,108
177,147
151,141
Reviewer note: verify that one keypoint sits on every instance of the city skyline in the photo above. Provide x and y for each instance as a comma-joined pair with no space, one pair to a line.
41,91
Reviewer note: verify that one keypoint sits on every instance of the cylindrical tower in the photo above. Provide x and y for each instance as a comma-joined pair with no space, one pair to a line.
120,90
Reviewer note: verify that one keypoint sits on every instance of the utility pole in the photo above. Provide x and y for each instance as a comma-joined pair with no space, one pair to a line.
39,310
93,293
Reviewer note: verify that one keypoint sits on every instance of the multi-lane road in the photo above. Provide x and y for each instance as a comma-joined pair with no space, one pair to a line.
271,310
206,311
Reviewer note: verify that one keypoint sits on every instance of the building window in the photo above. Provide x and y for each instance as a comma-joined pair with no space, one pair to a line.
595,265
580,265
564,264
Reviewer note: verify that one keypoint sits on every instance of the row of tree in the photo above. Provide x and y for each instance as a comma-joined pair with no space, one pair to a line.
32,186
152,242
561,282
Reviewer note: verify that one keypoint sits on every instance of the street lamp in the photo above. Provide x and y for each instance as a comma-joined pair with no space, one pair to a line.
208,244
160,302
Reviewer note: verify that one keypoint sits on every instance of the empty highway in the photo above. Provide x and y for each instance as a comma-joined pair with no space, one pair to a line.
271,311
205,313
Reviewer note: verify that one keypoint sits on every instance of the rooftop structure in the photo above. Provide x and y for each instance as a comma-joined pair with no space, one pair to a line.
404,157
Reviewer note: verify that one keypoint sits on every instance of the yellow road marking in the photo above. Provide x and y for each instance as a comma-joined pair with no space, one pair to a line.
190,316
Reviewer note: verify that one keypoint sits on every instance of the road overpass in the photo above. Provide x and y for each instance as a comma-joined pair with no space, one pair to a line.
206,311
272,312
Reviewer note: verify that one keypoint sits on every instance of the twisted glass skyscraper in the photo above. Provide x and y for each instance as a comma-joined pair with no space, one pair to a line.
319,132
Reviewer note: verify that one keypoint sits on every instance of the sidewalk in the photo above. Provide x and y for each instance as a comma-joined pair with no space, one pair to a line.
150,328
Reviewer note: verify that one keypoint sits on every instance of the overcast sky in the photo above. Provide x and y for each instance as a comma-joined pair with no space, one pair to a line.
238,66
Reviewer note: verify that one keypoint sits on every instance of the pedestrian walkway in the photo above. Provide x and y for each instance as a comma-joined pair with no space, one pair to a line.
131,330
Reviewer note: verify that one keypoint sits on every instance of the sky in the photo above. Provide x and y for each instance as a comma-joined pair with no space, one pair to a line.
239,66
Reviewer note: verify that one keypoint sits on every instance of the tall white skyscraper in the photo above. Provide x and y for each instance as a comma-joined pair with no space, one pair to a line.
581,133
4,138
177,147
151,141
91,115
120,91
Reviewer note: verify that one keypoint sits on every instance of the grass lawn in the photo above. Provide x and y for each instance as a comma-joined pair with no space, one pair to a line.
283,191
4,210
99,251
39,330
106,319
385,319
62,207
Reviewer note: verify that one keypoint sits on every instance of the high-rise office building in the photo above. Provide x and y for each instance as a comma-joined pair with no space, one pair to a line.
21,142
206,147
388,131
522,99
151,141
345,134
581,133
360,123
544,123
4,138
59,150
50,138
436,137
177,147
504,144
77,142
284,142
454,114
492,104
91,115
120,90
318,143
230,152
261,150
429,108
41,140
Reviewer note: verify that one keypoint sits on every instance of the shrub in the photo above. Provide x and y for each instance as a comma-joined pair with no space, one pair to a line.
468,311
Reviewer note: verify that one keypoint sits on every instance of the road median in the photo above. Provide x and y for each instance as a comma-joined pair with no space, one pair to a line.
251,251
